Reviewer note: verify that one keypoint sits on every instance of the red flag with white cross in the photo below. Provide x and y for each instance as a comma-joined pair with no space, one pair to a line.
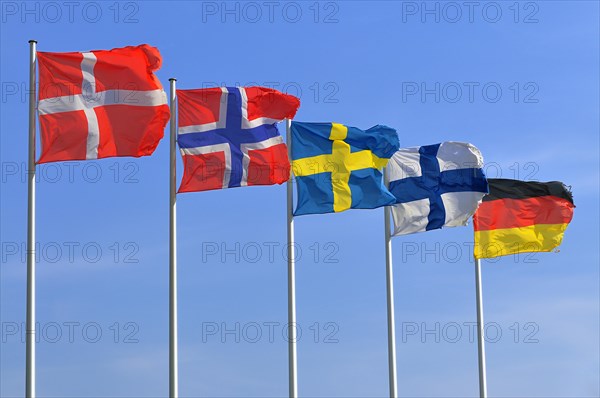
100,104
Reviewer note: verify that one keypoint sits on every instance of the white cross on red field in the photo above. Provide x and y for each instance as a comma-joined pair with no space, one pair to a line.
90,99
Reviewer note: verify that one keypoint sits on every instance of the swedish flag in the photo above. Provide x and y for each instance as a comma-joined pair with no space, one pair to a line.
338,167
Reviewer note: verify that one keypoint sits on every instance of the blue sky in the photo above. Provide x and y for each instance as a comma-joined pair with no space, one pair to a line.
518,80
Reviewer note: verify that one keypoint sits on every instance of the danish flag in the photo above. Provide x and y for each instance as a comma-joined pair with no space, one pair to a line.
228,137
100,104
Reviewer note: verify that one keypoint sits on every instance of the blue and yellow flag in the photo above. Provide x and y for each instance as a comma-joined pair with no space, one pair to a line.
338,167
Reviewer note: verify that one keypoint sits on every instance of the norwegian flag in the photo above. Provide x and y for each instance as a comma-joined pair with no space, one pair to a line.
100,104
228,137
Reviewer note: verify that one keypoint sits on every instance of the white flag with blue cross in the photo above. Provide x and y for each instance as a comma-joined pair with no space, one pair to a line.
435,186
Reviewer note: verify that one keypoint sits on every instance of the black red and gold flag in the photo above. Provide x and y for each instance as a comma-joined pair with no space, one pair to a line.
520,217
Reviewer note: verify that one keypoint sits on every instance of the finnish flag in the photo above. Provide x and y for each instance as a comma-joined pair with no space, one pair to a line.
435,186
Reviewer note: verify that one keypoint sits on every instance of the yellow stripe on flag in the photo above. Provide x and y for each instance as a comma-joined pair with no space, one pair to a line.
338,132
533,238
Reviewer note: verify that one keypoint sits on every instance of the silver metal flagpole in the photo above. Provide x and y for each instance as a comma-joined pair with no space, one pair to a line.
480,331
293,383
393,381
173,370
30,322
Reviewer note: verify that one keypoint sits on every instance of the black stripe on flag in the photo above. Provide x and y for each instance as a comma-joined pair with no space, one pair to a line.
501,188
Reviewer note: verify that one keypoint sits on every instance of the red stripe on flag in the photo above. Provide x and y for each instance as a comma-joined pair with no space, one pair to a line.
514,213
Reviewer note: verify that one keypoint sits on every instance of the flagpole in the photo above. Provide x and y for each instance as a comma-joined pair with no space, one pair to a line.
173,369
480,332
30,322
393,382
293,383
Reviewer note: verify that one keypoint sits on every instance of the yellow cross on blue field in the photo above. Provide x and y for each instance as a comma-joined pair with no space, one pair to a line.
339,167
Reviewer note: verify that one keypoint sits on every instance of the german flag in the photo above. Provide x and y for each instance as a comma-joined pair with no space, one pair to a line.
520,217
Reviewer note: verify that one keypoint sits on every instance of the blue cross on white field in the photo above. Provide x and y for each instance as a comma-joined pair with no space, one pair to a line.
438,181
